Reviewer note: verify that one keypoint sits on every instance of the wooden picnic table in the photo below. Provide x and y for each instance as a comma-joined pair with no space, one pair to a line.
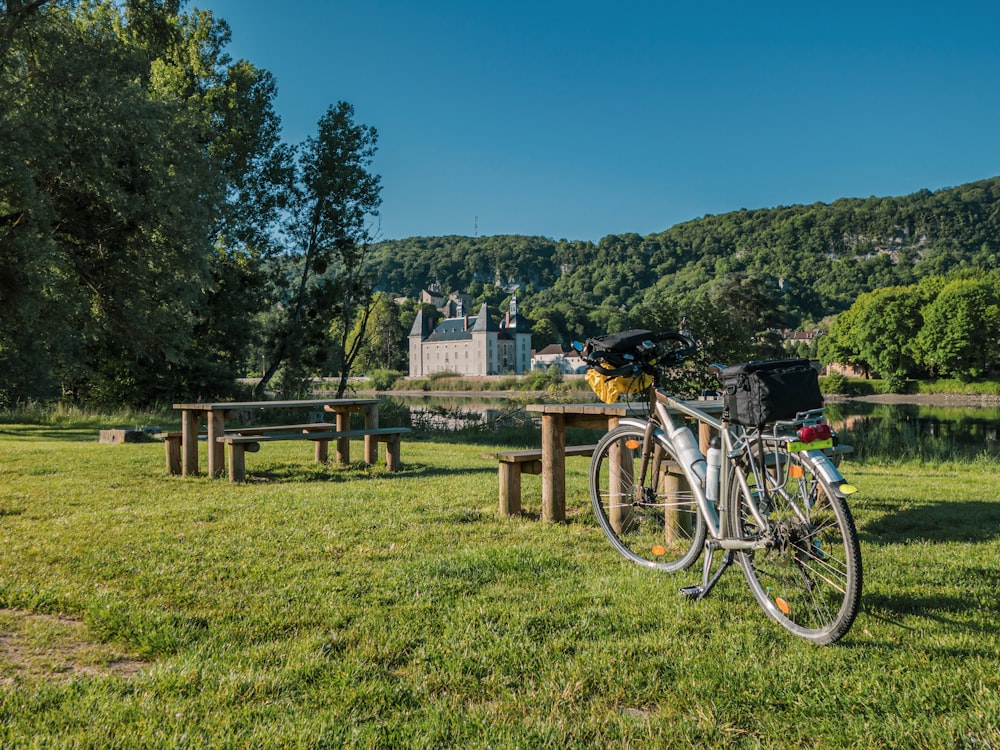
216,413
556,418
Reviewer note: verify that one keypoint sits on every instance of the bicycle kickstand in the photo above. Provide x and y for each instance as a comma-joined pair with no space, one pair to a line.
697,592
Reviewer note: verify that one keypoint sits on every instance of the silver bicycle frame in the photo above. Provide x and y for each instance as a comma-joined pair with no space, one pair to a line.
666,427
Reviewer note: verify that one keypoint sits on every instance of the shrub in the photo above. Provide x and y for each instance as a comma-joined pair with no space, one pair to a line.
541,380
897,383
834,383
383,380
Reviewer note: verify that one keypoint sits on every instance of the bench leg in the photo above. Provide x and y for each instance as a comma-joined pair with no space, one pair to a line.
189,443
510,488
391,452
172,447
322,450
237,463
553,467
216,450
672,486
620,473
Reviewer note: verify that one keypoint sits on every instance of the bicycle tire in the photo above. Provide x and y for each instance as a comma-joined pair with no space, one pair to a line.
809,578
658,525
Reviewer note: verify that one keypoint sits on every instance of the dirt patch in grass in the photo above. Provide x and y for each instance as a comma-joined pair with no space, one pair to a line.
45,647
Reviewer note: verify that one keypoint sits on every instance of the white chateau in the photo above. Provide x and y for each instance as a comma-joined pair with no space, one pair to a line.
471,345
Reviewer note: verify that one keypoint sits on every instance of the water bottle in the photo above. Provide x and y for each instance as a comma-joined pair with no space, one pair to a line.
714,462
688,452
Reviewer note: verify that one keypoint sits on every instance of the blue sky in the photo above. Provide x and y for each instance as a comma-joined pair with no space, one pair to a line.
581,119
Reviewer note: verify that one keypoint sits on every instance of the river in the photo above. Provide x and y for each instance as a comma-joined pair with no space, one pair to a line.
931,428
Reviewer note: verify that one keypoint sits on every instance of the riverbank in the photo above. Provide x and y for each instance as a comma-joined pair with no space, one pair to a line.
925,399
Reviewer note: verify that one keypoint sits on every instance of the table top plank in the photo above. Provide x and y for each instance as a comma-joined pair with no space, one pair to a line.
294,404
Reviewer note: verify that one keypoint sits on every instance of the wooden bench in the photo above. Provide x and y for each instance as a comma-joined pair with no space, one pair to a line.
172,448
322,450
248,439
515,463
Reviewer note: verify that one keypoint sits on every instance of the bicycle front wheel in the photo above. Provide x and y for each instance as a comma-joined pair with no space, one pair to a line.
807,573
653,519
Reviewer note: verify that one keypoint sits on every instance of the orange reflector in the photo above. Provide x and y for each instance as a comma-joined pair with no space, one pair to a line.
795,472
659,550
632,444
783,605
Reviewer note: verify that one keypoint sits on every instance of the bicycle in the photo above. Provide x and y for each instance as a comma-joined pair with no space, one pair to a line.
767,494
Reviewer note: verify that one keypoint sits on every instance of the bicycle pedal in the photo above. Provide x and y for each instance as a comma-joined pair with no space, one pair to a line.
692,592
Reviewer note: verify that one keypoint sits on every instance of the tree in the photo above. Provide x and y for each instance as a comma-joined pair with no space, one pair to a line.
110,190
961,331
879,333
141,175
383,342
328,237
885,329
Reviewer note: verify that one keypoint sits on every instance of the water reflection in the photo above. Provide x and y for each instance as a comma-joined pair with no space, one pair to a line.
459,412
912,431
875,430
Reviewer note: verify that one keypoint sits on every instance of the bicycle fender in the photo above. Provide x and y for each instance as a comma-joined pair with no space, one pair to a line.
824,466
639,424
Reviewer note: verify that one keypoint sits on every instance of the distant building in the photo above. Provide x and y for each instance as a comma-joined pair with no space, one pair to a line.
471,345
457,305
569,361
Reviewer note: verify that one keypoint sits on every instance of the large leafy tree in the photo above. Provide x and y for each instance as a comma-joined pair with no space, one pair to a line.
384,340
961,331
879,333
140,171
886,329
99,177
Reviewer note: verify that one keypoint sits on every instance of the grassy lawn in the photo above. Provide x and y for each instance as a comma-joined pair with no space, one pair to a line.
346,607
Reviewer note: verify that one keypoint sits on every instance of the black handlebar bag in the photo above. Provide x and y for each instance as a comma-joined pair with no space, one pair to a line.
757,393
624,342
616,350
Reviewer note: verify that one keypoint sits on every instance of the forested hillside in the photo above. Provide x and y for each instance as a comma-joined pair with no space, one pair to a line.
804,262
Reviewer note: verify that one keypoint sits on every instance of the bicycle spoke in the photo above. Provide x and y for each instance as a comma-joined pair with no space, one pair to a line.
653,522
807,575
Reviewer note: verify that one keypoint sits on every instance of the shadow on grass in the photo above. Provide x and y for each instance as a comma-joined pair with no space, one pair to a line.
48,432
968,521
966,614
356,471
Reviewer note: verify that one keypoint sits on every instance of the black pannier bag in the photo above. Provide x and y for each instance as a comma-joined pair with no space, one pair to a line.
757,393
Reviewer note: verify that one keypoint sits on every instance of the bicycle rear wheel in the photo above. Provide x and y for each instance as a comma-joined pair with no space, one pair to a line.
808,577
653,521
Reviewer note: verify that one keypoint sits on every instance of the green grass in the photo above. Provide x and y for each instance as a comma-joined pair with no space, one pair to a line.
346,607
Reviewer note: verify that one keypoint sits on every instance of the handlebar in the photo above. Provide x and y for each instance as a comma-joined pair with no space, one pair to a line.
630,352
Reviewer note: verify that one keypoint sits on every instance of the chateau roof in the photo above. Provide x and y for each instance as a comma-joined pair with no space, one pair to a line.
461,329
421,325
